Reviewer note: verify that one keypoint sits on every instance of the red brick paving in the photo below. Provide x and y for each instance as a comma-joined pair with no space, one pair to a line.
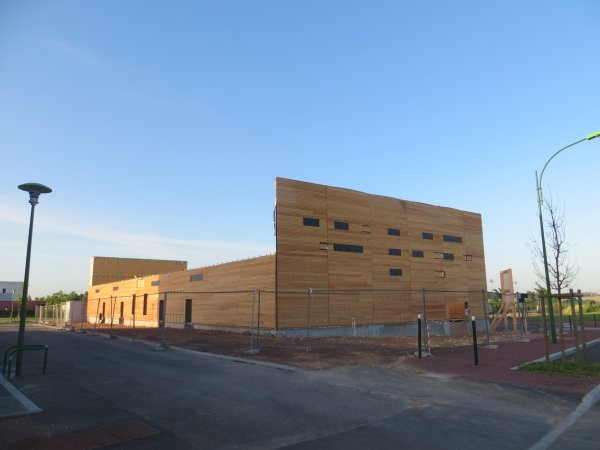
495,365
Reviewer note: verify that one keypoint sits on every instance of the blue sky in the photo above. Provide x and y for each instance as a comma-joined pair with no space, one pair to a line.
161,126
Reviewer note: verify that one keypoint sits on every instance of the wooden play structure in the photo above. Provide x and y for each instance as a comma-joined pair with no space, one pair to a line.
509,302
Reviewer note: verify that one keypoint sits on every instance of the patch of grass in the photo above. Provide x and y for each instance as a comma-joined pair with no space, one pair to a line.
568,368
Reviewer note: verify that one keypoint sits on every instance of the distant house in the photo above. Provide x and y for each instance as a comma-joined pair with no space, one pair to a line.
10,290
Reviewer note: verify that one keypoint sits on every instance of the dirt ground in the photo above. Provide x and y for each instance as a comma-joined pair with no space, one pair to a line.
307,353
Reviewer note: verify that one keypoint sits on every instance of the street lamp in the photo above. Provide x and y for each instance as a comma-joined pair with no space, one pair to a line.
540,199
34,190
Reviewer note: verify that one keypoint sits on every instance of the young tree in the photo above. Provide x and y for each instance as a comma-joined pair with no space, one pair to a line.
562,271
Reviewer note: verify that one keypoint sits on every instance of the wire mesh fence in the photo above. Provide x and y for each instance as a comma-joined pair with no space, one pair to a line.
261,316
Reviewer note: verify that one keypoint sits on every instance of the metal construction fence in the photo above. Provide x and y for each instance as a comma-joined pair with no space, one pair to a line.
298,322
310,313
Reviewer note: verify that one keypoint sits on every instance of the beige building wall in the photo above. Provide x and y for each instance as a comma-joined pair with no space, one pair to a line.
220,295
383,232
383,254
104,269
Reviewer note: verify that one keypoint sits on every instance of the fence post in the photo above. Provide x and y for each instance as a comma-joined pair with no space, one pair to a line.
163,343
308,295
133,300
475,340
424,312
112,314
545,326
580,302
419,345
486,315
258,324
252,351
575,332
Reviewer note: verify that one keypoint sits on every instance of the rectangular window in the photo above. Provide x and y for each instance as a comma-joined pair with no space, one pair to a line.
448,256
197,277
468,257
145,305
115,288
440,274
140,282
394,252
311,222
366,228
417,253
395,272
341,225
97,291
323,246
427,236
155,283
393,231
348,248
456,239
4,291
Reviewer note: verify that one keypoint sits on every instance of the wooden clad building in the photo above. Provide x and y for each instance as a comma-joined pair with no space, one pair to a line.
366,258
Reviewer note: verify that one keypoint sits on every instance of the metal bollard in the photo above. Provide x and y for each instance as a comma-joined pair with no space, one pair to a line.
475,340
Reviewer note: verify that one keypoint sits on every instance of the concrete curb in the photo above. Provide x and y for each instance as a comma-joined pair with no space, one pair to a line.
28,405
253,362
557,355
589,400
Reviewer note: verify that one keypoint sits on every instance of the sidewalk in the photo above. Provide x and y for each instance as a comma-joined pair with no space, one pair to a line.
13,403
495,365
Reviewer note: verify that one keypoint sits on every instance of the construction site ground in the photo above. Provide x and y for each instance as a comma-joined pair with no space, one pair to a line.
449,355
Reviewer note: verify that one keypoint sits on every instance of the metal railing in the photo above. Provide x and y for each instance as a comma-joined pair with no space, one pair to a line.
11,351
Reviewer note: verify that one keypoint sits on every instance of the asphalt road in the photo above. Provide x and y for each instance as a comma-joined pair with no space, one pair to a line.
189,400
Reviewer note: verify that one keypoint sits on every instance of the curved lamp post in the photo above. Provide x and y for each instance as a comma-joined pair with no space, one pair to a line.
540,199
34,189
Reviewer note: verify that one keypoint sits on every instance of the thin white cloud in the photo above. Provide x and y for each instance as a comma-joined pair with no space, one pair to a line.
74,52
131,241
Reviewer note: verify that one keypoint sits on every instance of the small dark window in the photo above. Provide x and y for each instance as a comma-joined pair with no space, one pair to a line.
197,277
393,231
448,238
97,291
341,225
310,222
155,283
188,310
427,236
4,291
348,248
440,274
394,252
417,253
448,256
145,305
115,288
395,272
468,257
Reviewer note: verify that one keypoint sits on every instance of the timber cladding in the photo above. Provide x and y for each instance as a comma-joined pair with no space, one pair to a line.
105,269
219,295
366,259
335,239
